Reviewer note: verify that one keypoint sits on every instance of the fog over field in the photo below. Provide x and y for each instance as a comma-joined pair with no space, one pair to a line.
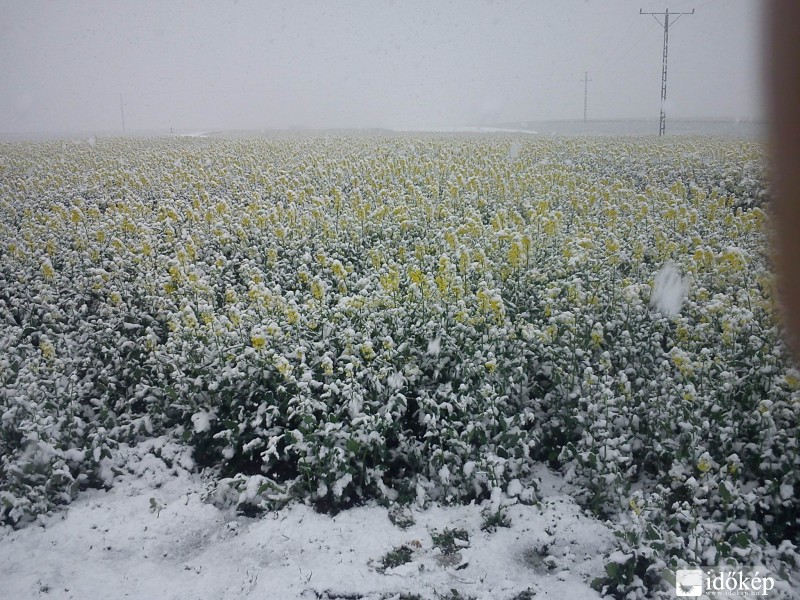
72,67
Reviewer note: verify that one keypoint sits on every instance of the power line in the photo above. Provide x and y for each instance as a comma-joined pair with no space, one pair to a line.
607,55
662,120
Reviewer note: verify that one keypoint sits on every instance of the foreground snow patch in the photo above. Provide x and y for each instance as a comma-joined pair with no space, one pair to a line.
153,536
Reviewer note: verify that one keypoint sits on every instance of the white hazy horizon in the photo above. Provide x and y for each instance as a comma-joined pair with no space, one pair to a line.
194,65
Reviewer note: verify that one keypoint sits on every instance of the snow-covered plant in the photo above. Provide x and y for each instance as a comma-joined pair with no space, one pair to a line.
408,319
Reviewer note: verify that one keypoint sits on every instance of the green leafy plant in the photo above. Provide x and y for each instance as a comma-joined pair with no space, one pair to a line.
396,557
494,519
449,541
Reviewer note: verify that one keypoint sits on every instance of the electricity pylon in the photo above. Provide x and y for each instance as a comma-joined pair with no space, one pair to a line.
122,110
586,81
662,120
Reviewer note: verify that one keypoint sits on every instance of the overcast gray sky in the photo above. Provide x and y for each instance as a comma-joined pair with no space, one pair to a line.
240,64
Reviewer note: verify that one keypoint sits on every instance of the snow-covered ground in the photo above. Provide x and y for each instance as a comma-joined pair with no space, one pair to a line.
153,536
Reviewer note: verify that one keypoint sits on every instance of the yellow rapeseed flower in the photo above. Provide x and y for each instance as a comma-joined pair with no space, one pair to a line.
515,255
284,367
318,289
338,269
257,341
327,365
416,276
47,349
47,269
635,507
367,351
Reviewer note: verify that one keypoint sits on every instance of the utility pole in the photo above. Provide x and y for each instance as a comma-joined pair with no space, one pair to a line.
586,81
122,110
662,120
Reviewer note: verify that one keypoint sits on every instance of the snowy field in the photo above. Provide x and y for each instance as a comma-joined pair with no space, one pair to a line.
442,366
153,536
